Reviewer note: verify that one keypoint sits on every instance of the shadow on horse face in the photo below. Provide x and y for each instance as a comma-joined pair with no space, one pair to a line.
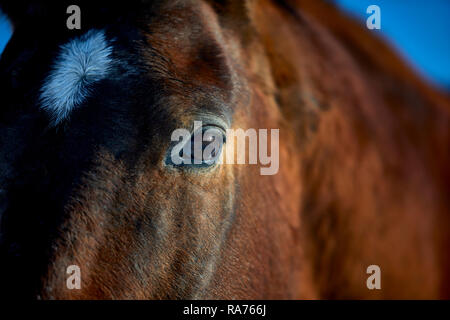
84,180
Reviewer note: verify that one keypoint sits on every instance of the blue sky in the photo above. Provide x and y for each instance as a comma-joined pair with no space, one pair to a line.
5,32
419,29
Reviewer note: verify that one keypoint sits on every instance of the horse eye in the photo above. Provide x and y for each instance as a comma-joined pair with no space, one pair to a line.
204,148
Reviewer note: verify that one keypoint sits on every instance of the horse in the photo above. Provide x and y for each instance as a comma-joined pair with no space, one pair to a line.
85,124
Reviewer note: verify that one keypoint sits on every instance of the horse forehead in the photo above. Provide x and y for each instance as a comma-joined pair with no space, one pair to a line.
80,63
191,39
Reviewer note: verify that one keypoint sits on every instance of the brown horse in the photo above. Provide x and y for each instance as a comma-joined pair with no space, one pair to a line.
364,152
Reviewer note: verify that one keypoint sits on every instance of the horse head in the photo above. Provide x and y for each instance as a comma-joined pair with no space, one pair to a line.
87,179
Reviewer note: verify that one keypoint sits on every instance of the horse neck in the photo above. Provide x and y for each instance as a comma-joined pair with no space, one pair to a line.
325,65
370,133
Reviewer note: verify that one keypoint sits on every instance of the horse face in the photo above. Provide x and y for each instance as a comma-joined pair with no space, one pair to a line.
85,127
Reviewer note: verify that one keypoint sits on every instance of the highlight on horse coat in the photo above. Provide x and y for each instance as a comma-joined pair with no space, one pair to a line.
93,207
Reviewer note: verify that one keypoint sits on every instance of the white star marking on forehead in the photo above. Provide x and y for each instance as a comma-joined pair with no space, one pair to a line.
80,63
